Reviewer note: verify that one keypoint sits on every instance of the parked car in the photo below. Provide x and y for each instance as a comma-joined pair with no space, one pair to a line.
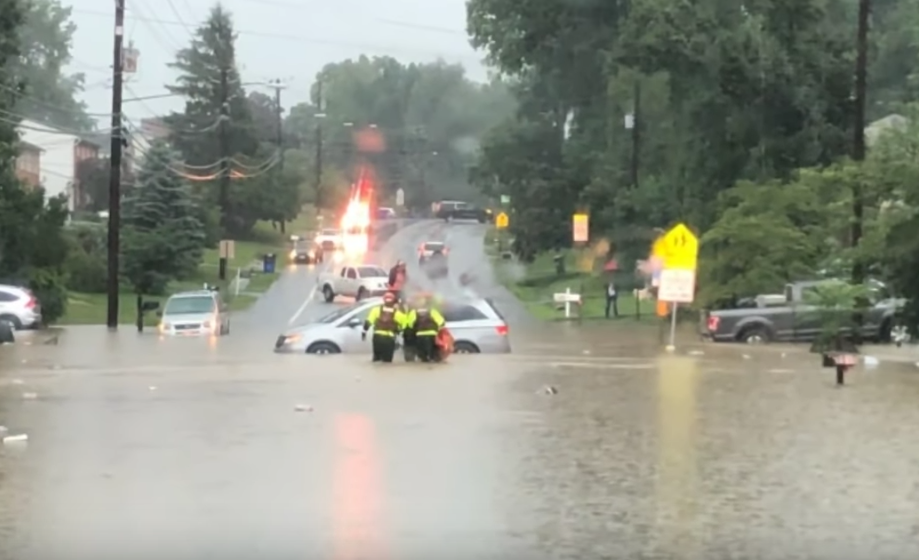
794,318
476,325
200,312
450,210
359,282
19,308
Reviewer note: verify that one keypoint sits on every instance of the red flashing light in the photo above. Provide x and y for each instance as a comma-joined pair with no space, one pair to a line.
713,323
502,330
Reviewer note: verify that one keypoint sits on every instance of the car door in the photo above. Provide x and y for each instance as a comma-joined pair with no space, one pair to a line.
350,329
351,281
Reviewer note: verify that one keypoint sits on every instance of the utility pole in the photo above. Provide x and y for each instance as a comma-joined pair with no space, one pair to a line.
114,188
224,163
858,141
279,174
319,116
636,132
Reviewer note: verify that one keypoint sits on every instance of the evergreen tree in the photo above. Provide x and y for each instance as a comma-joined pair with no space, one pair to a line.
216,110
32,247
163,238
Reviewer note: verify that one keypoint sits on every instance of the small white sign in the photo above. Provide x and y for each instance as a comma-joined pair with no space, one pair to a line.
677,285
400,197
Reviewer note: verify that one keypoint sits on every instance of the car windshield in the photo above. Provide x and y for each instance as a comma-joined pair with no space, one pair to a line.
371,272
338,314
189,304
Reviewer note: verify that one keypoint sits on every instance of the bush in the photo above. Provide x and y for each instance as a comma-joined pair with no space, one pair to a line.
48,287
85,272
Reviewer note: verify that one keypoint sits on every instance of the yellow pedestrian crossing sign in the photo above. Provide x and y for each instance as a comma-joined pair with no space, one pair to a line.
681,248
502,221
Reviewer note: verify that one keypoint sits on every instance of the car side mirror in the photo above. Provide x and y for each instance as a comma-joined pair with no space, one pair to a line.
354,322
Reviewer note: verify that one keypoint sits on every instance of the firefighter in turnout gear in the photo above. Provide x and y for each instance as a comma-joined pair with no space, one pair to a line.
386,320
425,322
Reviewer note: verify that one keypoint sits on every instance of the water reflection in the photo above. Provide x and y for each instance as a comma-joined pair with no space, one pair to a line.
676,485
358,520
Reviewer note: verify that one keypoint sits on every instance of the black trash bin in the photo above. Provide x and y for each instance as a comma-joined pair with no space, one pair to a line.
269,261
6,333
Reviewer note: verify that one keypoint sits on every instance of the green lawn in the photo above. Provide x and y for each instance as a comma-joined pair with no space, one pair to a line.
534,284
91,309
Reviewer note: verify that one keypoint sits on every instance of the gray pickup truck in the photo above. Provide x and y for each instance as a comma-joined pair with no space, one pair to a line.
771,318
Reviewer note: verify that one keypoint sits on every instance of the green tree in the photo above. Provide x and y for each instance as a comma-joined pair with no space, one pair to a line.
727,91
216,111
163,238
431,117
32,245
46,38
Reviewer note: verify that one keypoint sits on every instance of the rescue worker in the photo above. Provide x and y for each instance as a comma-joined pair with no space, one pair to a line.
397,278
425,322
386,321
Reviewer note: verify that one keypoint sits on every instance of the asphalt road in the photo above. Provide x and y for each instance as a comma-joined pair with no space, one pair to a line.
582,444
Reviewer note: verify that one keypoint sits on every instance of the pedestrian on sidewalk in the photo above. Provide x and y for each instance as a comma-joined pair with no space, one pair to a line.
612,299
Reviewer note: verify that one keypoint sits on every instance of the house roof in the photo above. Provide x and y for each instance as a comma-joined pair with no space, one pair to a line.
30,146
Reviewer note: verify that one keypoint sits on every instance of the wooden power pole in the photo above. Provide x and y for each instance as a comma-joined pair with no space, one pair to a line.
114,190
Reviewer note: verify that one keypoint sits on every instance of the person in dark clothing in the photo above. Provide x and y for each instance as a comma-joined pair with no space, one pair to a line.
386,321
397,279
612,299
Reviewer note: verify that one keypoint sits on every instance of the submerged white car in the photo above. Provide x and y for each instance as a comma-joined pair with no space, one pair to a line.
200,312
476,326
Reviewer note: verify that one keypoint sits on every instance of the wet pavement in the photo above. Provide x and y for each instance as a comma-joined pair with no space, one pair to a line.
585,443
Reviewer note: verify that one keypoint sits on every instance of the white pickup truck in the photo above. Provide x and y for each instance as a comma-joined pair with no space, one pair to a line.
359,282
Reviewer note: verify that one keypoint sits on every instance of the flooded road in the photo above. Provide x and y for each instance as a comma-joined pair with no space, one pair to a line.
582,444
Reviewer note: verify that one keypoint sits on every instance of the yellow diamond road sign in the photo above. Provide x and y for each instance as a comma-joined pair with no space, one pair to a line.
681,248
502,221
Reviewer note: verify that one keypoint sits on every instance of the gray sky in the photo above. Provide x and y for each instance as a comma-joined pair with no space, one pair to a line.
286,39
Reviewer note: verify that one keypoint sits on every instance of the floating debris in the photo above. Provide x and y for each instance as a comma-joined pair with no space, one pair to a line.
549,390
303,408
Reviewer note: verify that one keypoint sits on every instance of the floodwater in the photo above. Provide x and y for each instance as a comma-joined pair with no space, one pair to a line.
587,442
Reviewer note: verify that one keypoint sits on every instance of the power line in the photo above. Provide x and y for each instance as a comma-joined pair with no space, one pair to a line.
303,39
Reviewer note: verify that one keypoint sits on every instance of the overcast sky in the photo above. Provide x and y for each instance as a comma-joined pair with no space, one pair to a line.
286,39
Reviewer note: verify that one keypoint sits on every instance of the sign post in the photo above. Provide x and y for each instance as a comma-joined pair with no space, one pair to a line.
400,197
678,277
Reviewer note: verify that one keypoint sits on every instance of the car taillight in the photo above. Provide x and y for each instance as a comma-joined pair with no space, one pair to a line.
502,330
31,303
713,323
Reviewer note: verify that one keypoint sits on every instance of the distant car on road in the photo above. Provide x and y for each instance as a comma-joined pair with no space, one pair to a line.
359,282
19,308
450,210
432,258
305,252
385,213
330,240
476,325
201,312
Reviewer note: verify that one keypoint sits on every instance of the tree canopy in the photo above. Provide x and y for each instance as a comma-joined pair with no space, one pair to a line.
46,38
430,116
